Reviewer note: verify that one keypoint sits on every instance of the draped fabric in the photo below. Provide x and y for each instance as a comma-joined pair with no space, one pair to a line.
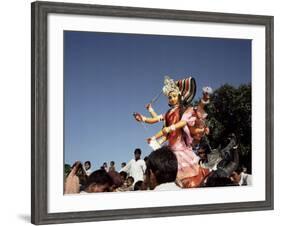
180,142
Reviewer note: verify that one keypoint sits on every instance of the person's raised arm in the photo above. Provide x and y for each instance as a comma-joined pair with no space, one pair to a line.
75,168
165,131
72,181
141,118
151,111
174,127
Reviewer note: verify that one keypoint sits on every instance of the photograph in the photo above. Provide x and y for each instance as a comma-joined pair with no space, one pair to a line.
141,112
155,112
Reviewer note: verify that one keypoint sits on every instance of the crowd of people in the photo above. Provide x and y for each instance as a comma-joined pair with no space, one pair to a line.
181,156
158,172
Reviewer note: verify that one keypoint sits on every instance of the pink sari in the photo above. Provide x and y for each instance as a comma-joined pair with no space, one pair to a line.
180,141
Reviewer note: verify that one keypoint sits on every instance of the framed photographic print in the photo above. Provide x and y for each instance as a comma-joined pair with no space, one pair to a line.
140,112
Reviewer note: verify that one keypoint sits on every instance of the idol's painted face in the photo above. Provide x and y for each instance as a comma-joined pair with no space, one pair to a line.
173,98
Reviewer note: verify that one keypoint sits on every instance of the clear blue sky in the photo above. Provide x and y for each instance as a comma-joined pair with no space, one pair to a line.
108,76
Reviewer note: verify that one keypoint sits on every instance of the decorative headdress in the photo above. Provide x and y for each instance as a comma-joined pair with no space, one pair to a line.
170,86
185,87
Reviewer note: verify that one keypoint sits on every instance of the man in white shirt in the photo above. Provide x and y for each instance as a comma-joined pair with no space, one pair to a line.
162,168
136,167
241,178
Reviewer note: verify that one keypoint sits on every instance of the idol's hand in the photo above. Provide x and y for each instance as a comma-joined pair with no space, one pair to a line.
148,106
166,130
139,117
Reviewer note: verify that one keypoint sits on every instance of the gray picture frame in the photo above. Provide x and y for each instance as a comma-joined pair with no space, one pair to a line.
39,109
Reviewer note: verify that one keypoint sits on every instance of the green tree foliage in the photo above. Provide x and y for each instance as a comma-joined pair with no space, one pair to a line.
67,169
230,111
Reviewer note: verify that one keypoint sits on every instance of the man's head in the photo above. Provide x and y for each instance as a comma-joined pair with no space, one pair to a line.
112,163
145,158
99,181
204,148
236,175
216,180
123,164
123,176
202,154
87,165
116,179
130,181
161,167
137,153
139,185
